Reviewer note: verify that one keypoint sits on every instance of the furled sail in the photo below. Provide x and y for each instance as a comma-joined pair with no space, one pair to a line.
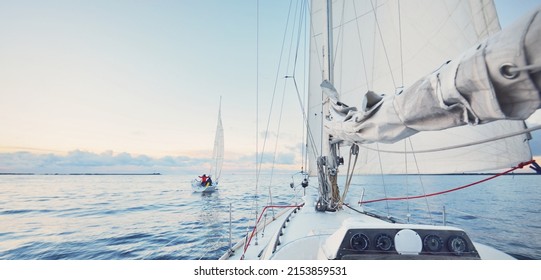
477,88
427,66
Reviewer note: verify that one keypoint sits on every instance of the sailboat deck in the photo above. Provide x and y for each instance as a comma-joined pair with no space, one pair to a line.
302,233
297,226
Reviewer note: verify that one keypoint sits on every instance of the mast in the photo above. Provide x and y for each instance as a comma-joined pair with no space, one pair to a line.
327,163
328,45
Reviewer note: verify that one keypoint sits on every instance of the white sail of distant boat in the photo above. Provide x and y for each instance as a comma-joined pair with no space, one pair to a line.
208,182
417,86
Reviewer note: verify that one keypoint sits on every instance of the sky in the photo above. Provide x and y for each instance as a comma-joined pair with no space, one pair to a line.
134,86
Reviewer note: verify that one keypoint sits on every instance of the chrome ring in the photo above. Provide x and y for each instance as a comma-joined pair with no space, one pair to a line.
506,71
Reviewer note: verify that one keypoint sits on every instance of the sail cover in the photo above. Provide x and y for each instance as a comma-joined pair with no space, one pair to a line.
404,67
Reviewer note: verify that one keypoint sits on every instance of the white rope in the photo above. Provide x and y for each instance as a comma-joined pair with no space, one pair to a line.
350,172
531,68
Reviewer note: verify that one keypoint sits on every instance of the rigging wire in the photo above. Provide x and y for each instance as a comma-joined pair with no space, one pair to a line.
301,31
519,166
383,181
421,180
407,181
257,117
357,24
259,161
401,48
503,136
296,29
378,31
338,39
354,150
383,42
261,153
280,114
310,140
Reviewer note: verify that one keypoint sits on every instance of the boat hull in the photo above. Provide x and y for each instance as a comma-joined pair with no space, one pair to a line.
197,187
300,232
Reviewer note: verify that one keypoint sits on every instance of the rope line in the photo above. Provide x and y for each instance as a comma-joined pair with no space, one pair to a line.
519,166
527,130
532,68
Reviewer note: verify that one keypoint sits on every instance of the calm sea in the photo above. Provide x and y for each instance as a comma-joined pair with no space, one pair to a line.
112,217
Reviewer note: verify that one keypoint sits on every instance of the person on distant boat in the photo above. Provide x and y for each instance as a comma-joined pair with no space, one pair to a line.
204,179
209,181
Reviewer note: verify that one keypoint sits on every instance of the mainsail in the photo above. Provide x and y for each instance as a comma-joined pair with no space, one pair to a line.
218,150
398,70
373,56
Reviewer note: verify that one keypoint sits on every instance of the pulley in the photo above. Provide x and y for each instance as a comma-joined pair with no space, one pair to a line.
354,149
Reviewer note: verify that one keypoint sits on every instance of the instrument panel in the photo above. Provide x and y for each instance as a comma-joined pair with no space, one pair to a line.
381,244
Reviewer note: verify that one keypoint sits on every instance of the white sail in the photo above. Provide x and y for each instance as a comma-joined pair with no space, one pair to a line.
362,49
387,48
209,183
218,151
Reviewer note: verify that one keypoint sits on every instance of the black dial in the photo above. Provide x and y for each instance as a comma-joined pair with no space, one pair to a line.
457,245
432,243
384,242
359,242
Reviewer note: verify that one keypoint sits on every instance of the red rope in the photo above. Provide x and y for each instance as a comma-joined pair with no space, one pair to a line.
520,165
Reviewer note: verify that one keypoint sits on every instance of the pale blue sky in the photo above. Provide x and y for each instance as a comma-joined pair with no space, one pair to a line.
131,76
134,85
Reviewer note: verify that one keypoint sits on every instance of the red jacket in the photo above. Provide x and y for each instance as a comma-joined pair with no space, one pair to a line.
203,178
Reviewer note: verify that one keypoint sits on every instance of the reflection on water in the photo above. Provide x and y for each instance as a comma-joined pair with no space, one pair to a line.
159,217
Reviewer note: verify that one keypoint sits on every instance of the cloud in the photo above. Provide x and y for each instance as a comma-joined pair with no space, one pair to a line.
78,161
87,162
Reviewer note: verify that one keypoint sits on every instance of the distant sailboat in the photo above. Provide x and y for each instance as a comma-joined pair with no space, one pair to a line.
209,183
413,70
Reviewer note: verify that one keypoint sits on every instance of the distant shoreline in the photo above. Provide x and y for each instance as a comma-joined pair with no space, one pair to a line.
157,173
76,174
462,174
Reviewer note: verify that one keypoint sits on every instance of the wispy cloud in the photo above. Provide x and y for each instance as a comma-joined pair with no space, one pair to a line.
78,161
87,162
